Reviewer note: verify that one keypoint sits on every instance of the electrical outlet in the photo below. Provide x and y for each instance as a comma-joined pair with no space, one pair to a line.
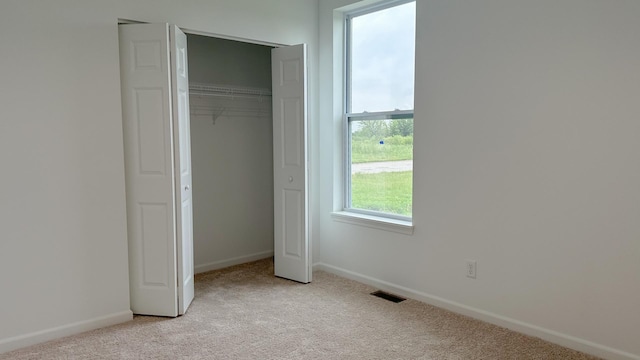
471,268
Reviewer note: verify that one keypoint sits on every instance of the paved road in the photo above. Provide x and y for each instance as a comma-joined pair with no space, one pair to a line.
378,167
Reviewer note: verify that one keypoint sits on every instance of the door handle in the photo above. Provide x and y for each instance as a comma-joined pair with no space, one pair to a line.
187,188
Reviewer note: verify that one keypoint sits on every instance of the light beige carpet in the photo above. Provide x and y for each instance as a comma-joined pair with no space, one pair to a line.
244,312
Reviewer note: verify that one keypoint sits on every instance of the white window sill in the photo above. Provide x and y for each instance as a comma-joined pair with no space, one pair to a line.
375,222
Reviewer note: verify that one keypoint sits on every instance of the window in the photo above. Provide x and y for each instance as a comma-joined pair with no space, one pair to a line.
380,48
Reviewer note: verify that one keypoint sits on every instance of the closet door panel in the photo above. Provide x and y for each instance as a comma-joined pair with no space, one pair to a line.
182,156
291,210
148,149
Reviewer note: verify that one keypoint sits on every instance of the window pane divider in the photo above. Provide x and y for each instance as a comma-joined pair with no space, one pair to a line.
381,115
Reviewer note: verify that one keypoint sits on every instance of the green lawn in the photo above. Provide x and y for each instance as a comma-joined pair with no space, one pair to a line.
388,192
370,150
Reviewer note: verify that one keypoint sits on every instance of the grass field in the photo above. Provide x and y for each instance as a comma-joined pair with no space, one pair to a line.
388,192
370,150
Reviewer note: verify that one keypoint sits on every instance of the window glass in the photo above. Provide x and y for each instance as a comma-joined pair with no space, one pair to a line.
382,165
382,59
380,68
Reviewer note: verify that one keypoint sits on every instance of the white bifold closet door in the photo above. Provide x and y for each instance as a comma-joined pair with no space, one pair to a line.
155,101
154,79
292,255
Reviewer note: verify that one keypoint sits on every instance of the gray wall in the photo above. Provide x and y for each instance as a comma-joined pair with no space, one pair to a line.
222,61
232,159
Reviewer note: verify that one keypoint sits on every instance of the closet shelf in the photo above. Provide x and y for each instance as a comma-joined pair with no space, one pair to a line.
227,91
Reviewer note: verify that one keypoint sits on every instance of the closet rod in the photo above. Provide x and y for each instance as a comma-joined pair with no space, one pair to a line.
222,90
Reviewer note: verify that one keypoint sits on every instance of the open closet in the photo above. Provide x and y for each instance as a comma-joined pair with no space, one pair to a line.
232,151
215,174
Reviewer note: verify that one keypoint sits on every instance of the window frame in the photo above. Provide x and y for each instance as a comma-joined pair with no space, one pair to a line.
349,116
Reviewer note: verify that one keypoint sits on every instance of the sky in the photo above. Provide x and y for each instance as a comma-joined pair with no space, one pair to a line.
382,59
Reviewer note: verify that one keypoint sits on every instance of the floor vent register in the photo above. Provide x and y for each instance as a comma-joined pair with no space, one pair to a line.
387,296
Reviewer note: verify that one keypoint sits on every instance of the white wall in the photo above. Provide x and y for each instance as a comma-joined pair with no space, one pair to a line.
232,158
63,249
526,160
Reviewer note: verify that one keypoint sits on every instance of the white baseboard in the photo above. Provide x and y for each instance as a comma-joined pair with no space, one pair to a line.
515,325
233,261
41,336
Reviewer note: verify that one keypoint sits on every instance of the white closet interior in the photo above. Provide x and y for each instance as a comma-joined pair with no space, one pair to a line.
231,151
